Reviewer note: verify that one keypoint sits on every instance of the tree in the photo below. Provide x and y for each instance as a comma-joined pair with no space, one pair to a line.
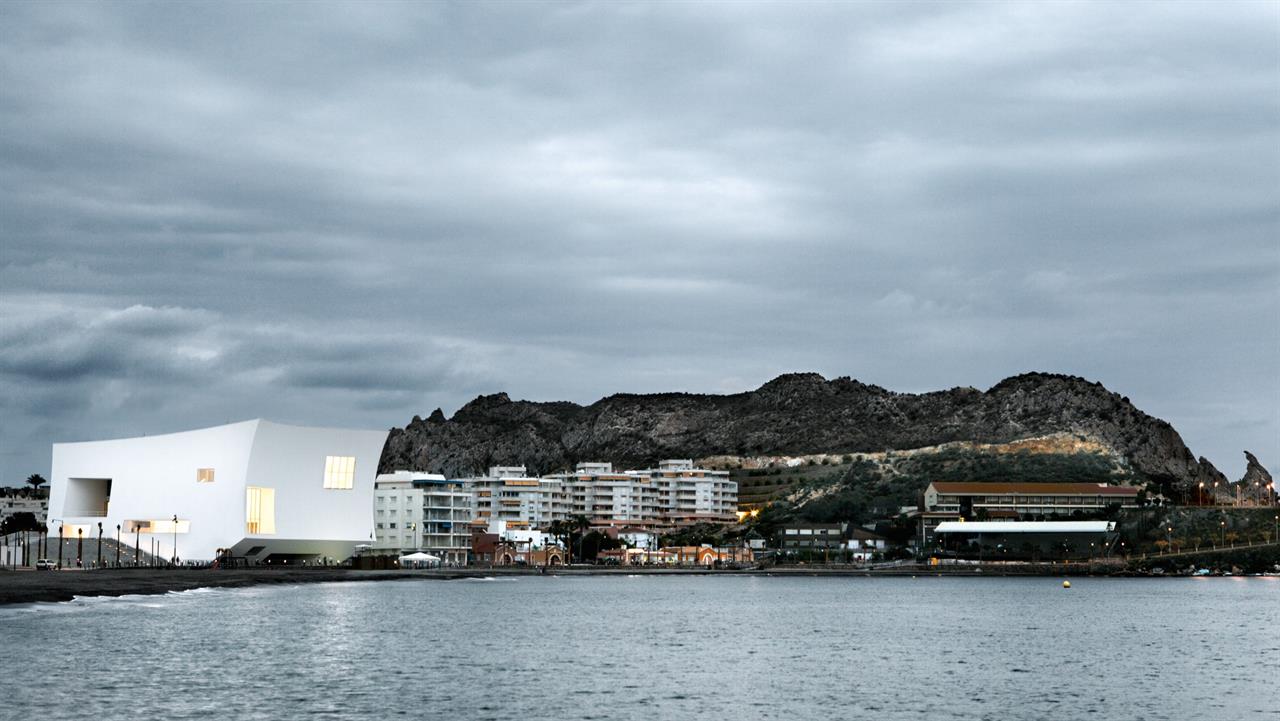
35,480
578,525
19,522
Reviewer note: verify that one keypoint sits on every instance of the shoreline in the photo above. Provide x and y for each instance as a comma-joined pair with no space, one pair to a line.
61,586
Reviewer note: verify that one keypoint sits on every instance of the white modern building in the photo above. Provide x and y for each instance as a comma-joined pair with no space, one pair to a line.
423,512
265,492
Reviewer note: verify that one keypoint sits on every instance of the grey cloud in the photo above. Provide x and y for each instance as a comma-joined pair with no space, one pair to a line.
352,213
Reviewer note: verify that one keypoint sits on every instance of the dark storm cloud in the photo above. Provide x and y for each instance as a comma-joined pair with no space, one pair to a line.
348,214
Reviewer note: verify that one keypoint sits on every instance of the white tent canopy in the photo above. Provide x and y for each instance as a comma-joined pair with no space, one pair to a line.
419,560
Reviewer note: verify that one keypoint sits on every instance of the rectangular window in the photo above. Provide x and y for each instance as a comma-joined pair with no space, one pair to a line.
204,475
339,472
260,510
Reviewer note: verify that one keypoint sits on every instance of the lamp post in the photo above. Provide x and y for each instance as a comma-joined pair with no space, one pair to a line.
1222,529
1200,494
117,545
79,546
61,527
175,539
99,564
137,544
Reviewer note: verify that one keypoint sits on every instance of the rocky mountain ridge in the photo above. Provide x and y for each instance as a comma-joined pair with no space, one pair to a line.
793,414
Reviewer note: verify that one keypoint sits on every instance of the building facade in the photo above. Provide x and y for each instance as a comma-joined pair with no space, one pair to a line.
260,491
423,512
1016,500
25,500
509,495
686,495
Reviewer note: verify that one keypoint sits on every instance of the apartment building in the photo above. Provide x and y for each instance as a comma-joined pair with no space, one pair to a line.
509,495
422,512
606,497
687,495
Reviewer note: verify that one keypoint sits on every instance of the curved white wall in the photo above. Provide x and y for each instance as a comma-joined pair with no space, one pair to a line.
154,477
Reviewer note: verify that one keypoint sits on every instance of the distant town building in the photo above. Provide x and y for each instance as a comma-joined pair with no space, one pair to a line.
423,512
25,500
604,497
1024,540
946,501
1014,500
863,544
508,494
687,495
811,537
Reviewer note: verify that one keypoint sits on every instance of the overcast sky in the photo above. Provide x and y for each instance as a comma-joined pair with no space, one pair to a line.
350,214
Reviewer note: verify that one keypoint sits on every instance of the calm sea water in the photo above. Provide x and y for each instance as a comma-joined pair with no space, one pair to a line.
657,648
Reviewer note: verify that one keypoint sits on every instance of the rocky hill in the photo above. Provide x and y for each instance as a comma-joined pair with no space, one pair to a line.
794,414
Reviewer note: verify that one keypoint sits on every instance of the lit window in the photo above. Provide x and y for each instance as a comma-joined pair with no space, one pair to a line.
339,472
204,475
260,510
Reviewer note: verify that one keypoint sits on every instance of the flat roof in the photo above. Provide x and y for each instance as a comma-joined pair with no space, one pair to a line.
1025,527
1037,489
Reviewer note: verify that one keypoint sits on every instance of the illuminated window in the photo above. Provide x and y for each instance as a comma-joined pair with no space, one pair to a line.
339,472
204,475
260,510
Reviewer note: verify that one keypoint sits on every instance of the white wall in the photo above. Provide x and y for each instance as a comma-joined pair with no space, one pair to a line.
154,477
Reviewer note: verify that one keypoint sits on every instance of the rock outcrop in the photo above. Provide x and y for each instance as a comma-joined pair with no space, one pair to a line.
799,413
1255,473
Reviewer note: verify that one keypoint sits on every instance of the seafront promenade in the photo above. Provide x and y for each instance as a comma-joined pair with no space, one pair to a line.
57,586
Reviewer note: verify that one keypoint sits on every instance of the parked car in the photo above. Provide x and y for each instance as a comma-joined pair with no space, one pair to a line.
44,564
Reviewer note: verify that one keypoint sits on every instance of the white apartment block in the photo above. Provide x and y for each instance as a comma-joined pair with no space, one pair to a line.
594,490
687,495
422,512
509,495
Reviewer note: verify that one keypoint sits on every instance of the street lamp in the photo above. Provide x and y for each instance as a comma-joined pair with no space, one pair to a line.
99,564
79,546
175,539
1223,531
61,527
117,545
1200,493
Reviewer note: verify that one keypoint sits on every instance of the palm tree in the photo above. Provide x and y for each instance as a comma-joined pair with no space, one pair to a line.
35,480
579,523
